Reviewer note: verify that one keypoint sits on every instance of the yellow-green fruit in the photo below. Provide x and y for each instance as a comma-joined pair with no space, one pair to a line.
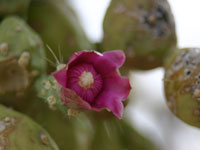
144,29
18,132
58,27
13,7
182,85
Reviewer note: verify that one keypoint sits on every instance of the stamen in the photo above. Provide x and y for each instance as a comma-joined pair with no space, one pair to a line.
86,80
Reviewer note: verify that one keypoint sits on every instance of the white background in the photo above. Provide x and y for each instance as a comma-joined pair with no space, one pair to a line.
148,111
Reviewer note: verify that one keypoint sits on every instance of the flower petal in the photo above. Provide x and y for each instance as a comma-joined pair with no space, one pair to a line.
104,64
61,77
116,89
118,85
110,101
116,56
109,62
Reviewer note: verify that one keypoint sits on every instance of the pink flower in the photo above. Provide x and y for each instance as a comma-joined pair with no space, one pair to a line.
91,81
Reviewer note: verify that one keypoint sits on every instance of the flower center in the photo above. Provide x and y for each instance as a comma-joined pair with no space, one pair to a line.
86,80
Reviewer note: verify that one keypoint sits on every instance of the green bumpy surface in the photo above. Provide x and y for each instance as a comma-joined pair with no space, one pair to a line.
182,85
14,7
18,132
144,29
58,27
21,38
16,76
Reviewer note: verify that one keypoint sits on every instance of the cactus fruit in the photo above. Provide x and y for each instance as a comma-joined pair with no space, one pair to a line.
182,85
58,27
144,29
21,56
14,7
18,132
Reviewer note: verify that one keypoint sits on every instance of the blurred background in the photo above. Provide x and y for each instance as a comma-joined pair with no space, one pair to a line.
148,111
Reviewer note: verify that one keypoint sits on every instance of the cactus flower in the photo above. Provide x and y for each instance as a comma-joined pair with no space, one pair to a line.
91,80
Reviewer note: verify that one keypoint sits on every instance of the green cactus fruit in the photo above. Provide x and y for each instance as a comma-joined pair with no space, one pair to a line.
58,27
112,134
14,7
182,85
144,29
21,56
18,132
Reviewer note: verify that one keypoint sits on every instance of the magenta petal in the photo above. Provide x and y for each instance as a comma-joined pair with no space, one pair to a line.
61,77
116,56
110,101
120,86
72,100
109,62
89,57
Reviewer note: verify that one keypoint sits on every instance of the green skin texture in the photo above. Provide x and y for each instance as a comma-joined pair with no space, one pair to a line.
25,40
125,28
113,134
181,101
14,7
23,134
61,128
58,27
20,38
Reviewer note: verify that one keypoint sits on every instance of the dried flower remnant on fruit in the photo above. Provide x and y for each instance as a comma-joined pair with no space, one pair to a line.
91,81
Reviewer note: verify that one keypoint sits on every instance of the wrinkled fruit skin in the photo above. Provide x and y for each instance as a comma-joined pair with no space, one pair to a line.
59,27
92,81
182,85
144,29
14,7
19,132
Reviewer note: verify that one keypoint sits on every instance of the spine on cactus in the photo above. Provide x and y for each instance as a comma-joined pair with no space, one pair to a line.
59,28
22,57
18,132
14,7
144,29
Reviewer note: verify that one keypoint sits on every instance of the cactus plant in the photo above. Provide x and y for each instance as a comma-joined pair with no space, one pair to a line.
144,29
18,132
21,57
182,85
14,7
58,27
